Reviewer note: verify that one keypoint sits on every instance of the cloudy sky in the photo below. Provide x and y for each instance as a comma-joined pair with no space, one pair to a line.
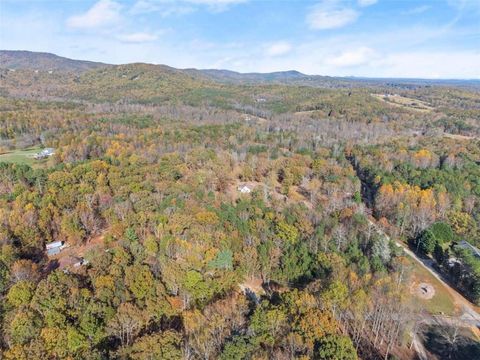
375,38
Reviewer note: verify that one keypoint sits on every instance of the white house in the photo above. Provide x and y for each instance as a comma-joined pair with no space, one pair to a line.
47,152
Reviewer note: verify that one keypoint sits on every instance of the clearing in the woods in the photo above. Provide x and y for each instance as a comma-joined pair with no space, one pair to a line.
24,156
405,102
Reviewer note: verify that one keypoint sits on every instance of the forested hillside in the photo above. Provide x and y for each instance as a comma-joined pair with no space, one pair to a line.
214,220
28,60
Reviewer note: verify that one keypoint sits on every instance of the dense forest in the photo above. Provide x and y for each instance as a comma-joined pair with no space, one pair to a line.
206,219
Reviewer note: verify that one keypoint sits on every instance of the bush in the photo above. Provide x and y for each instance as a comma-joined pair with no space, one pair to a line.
426,242
442,232
335,347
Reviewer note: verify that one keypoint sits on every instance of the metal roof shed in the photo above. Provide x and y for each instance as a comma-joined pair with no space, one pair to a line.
53,251
54,244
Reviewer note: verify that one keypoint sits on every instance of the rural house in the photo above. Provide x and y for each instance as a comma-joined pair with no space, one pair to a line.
55,247
47,152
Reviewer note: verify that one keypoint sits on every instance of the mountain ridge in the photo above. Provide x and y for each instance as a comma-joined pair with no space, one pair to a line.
44,61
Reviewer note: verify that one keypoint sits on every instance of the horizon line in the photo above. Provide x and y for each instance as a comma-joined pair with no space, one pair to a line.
358,77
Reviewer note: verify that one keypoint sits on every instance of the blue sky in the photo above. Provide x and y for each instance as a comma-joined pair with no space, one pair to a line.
377,38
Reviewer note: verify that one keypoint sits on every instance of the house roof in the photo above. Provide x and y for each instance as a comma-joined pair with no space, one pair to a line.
53,251
466,245
54,244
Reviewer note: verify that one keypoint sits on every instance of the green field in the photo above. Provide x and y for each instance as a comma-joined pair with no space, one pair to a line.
24,156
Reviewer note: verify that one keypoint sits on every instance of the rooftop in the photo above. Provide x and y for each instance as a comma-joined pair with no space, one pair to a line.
466,245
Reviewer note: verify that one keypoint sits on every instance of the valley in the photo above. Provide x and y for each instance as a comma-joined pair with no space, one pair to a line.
208,214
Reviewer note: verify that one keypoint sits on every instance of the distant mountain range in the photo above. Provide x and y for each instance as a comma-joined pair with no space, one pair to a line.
228,75
39,61
29,60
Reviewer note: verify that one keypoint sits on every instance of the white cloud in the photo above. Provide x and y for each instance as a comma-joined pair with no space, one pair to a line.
145,6
355,57
216,5
180,7
103,13
365,3
163,7
138,37
278,49
216,2
330,14
417,10
433,65
400,50
465,5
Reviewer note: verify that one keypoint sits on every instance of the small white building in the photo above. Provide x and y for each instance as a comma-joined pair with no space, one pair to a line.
55,247
47,152
244,189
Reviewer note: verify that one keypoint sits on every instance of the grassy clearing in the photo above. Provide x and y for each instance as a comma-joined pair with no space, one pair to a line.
405,102
24,156
442,301
459,137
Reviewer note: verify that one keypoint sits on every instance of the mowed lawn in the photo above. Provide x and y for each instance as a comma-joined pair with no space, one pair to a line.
442,302
24,156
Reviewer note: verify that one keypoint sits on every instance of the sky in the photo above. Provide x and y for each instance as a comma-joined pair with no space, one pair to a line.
369,38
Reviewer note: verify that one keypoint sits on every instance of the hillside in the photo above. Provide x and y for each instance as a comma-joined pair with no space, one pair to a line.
131,82
233,76
217,215
159,85
296,78
38,61
28,60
